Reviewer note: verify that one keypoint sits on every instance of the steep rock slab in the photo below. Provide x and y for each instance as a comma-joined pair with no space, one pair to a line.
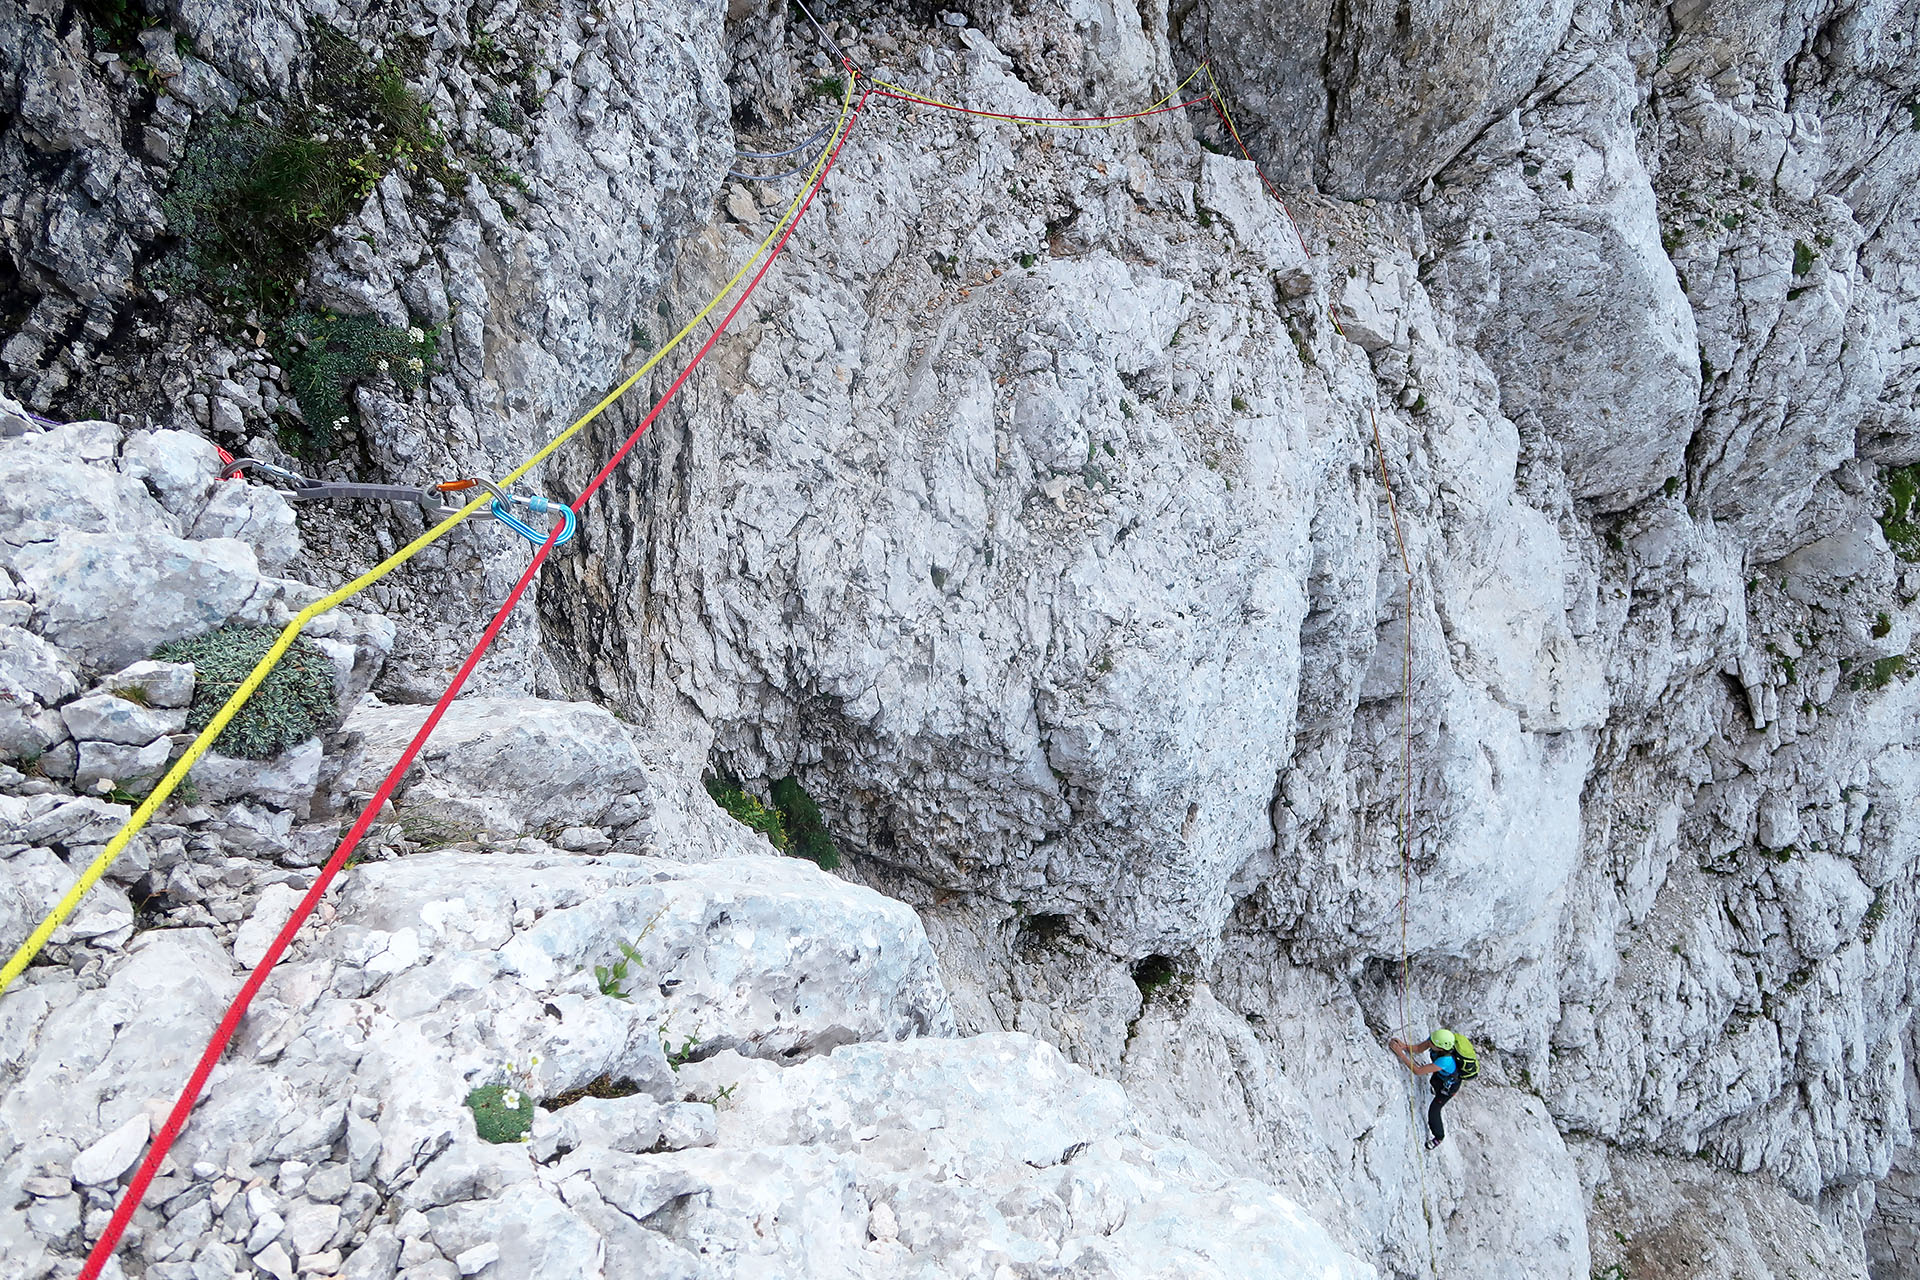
975,1153
1371,98
1668,1219
1550,258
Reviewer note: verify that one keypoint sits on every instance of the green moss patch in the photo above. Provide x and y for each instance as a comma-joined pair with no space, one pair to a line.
1897,517
501,1113
295,701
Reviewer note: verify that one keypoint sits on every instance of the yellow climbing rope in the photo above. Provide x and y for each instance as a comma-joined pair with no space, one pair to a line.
71,900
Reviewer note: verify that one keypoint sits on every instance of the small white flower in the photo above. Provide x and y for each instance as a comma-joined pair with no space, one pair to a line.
380,364
417,364
511,1099
340,422
533,1060
415,334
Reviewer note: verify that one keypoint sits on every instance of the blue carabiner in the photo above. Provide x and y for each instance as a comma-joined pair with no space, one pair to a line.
539,506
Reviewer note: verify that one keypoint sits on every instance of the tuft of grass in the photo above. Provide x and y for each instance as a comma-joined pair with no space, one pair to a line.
1803,257
294,702
806,830
1882,625
249,203
137,693
501,1113
745,808
1239,404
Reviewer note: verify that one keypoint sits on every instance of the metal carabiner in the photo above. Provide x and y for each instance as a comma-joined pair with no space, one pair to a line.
538,506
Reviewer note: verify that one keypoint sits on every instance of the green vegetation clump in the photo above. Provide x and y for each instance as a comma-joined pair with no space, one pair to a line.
252,198
1881,674
1897,519
792,825
295,701
806,831
1803,257
745,808
326,355
501,1113
115,24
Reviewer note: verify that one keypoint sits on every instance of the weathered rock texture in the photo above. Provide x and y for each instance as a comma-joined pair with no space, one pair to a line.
1036,518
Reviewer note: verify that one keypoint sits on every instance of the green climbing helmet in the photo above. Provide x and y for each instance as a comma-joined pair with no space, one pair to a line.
1441,1039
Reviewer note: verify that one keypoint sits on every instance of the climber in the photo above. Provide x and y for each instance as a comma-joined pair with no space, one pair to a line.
1453,1061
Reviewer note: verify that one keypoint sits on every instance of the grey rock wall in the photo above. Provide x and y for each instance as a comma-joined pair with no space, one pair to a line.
1032,518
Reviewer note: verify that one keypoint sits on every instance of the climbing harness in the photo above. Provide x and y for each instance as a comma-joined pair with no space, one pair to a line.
764,255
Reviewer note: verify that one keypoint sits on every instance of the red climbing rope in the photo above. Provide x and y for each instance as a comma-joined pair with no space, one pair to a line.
190,1095
229,1024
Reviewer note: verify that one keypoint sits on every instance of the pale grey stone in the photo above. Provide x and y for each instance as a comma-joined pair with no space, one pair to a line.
162,684
478,1258
287,781
102,1163
178,467
311,1226
110,599
256,515
274,1261
127,766
107,717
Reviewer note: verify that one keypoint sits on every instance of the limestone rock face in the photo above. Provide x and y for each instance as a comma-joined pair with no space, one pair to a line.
1372,99
1654,1216
507,764
1215,637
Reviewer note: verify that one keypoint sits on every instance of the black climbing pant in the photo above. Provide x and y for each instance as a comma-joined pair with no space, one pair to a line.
1444,1087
